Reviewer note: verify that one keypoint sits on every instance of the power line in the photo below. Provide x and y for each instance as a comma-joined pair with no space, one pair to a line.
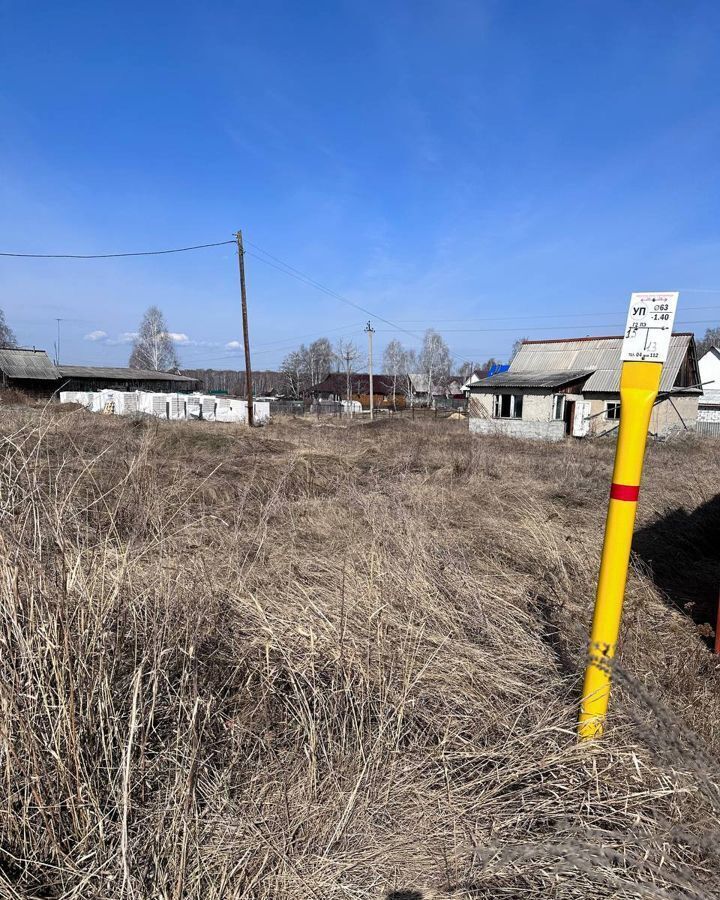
112,255
300,276
287,269
605,325
255,352
516,318
270,346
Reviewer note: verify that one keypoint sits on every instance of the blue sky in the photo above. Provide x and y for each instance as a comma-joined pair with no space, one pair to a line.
491,169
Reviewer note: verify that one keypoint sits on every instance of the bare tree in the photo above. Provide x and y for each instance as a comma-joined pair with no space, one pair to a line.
466,369
515,347
710,339
393,365
153,347
408,366
293,369
7,335
319,360
347,354
434,360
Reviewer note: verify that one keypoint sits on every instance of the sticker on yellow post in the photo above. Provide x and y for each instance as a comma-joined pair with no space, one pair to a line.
649,327
645,348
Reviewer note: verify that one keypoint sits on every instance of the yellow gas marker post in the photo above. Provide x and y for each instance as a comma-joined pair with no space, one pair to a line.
644,350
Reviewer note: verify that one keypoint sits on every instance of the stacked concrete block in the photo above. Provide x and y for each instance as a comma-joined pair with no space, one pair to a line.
83,398
175,406
223,411
168,406
261,411
192,406
208,403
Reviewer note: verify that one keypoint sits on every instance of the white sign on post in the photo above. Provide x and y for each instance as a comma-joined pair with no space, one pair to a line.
649,327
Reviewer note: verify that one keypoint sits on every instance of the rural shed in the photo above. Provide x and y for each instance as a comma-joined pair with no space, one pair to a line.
572,387
96,378
29,370
33,372
334,387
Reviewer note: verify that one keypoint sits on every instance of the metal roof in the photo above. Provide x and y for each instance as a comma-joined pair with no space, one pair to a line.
22,363
121,374
601,355
418,382
709,398
532,379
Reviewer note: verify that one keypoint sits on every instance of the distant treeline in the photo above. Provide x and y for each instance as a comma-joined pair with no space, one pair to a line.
232,381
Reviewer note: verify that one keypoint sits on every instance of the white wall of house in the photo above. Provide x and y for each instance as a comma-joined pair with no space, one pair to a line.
537,420
709,414
709,365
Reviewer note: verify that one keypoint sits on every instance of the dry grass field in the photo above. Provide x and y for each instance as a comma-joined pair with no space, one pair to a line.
323,663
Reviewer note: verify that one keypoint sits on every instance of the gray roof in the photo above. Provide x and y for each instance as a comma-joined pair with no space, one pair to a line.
531,379
120,374
601,355
418,382
17,363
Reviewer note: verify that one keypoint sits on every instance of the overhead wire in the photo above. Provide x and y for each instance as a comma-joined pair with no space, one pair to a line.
272,346
621,313
280,265
113,255
291,271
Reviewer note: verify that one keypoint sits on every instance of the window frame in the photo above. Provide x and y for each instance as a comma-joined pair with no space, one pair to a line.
615,405
514,406
563,401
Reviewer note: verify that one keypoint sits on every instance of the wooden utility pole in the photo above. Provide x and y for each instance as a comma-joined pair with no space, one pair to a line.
246,337
348,360
370,332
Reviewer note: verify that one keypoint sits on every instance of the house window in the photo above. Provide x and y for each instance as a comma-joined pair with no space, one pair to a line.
612,410
507,406
558,407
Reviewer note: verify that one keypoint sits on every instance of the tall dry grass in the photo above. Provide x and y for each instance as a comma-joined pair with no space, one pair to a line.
323,662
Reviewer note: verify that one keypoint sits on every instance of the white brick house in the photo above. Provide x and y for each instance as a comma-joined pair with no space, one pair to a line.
572,387
709,403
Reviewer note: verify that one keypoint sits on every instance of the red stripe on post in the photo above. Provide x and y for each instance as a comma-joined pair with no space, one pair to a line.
624,492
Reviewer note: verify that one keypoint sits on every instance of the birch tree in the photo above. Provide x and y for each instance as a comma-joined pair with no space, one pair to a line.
319,360
347,354
7,335
515,347
153,348
434,360
293,370
395,361
711,339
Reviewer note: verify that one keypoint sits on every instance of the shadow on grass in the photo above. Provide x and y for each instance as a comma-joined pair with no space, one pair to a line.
682,552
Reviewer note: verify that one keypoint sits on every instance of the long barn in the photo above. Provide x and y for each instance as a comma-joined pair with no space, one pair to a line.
33,372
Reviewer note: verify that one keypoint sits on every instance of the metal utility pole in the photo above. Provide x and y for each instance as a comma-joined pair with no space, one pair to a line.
246,337
370,332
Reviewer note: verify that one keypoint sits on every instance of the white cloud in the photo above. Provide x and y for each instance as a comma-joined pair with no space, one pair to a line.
178,337
96,336
127,337
233,345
